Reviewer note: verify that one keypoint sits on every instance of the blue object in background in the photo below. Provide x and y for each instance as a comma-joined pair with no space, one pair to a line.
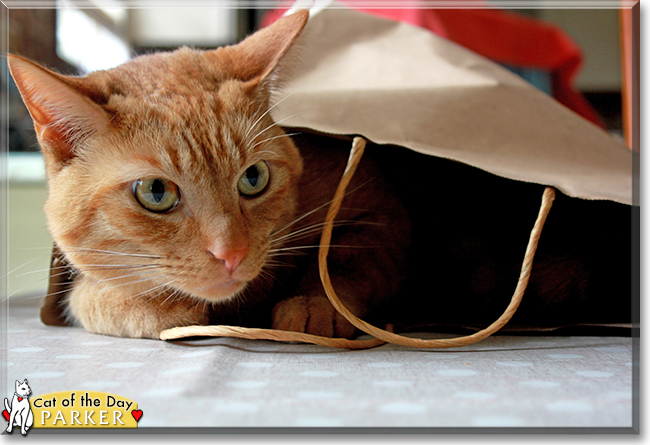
540,79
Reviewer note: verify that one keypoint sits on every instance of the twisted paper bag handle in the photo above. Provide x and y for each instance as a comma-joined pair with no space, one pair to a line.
382,336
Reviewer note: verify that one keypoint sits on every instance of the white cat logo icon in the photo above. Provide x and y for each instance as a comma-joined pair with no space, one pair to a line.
20,411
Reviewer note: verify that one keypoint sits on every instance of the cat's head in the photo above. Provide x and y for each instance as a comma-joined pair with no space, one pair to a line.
170,161
23,389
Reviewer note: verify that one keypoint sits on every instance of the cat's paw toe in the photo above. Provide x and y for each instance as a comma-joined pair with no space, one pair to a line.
311,315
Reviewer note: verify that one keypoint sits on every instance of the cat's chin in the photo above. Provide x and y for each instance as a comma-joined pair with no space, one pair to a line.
219,291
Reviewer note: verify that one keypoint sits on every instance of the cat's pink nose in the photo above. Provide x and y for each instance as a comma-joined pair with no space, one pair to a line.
231,256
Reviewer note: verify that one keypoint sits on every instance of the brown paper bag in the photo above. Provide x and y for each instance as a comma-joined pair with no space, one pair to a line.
398,84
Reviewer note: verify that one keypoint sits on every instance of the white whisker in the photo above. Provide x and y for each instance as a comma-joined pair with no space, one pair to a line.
8,274
176,293
160,286
304,232
131,275
265,113
45,294
14,293
275,123
305,215
110,252
95,267
274,137
277,254
315,246
128,283
268,276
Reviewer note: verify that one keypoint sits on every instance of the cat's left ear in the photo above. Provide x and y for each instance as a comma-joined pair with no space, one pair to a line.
63,112
256,59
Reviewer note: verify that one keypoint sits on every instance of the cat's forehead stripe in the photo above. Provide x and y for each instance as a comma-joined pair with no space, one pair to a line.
200,123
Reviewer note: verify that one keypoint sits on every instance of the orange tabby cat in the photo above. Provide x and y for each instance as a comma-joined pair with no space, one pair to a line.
180,202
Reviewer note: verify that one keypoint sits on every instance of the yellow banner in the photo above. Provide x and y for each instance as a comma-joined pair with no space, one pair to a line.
84,409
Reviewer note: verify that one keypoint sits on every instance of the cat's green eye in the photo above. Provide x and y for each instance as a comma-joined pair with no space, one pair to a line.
156,194
254,180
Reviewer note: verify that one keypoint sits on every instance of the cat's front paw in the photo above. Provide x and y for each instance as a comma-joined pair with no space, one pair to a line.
103,311
311,315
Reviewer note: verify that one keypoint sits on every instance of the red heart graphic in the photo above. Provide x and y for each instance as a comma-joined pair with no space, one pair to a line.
136,413
20,399
6,414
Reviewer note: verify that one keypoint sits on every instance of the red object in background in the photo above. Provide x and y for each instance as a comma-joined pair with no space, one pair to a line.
503,37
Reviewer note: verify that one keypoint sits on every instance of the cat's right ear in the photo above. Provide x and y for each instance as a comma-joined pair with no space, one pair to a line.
63,116
255,60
